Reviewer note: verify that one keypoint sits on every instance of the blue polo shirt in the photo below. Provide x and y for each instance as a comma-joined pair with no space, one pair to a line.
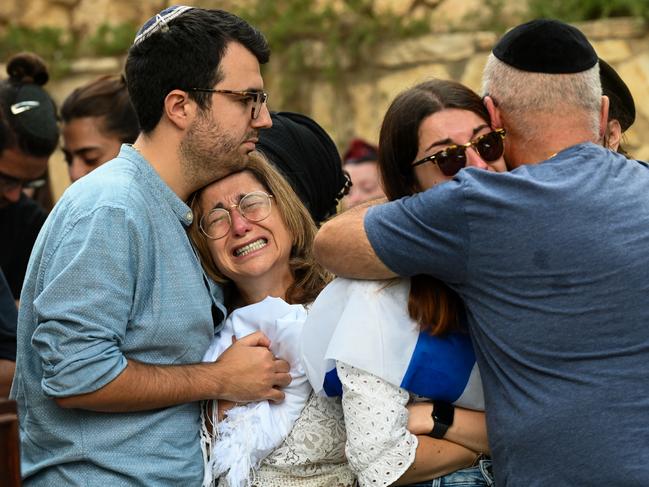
551,260
112,277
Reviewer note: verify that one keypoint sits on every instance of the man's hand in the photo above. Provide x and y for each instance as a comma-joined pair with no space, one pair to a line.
248,371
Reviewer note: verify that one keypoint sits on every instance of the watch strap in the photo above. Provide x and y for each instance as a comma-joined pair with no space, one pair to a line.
442,414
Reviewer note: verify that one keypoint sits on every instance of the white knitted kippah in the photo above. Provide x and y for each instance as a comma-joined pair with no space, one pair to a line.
160,22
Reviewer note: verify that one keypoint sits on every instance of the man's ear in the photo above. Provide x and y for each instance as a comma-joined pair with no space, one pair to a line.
494,112
179,109
613,135
603,117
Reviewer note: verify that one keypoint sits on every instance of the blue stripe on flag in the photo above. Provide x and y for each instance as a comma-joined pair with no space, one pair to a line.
440,366
332,385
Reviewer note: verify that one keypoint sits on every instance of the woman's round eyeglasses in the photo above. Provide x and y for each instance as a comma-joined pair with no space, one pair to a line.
254,207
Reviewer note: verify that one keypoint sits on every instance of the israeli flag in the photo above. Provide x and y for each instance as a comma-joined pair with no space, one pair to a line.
366,324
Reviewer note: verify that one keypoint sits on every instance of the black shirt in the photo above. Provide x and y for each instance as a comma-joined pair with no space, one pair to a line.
8,319
19,226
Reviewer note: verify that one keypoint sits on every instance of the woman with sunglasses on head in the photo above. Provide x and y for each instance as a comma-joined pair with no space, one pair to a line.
398,351
254,236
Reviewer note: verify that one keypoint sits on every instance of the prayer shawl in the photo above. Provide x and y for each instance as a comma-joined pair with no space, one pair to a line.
366,324
252,431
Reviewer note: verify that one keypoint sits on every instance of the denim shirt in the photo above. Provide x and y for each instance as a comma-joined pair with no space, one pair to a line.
112,277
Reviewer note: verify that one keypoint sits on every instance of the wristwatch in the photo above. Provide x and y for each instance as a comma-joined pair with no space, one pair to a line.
443,413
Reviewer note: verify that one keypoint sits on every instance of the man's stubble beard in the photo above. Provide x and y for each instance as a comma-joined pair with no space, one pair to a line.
207,154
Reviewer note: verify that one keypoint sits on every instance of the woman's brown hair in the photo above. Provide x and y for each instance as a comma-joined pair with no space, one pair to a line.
309,276
436,307
105,98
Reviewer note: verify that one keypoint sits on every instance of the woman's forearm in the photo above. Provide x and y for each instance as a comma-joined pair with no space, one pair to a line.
469,427
435,458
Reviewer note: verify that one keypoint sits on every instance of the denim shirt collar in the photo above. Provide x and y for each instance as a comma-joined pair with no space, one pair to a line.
157,185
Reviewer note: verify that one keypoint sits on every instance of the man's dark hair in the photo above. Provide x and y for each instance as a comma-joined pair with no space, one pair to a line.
187,53
105,98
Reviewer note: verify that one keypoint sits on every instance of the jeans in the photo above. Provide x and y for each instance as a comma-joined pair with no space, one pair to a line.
478,476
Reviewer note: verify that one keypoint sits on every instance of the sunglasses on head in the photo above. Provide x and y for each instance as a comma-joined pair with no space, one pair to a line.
453,158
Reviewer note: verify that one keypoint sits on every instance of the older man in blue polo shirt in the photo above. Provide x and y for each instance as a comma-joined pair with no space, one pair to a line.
551,260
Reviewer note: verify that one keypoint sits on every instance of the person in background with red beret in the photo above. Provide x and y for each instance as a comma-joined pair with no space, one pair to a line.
360,162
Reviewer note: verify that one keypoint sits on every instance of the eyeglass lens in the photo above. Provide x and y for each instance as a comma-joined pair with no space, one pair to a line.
253,207
258,100
451,160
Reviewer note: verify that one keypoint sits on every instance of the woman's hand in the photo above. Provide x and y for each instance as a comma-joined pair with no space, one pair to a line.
420,420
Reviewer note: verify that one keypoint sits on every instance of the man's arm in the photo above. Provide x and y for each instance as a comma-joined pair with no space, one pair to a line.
342,246
247,371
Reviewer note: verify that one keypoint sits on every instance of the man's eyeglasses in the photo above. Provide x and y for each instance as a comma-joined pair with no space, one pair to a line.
8,182
258,98
254,207
453,158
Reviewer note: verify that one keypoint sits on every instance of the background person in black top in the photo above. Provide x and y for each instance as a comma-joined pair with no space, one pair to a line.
28,135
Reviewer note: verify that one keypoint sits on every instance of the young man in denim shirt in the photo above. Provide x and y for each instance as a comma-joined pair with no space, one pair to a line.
116,311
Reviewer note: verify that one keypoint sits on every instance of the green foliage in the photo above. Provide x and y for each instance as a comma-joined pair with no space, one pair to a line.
347,33
578,10
112,40
48,42
59,48
491,18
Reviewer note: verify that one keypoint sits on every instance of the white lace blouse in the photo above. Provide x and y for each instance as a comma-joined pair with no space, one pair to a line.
379,447
313,454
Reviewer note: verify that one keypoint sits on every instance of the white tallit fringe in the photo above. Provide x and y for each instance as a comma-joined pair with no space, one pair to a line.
207,443
243,441
250,432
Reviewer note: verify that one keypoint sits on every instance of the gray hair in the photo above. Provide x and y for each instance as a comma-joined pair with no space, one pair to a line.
523,95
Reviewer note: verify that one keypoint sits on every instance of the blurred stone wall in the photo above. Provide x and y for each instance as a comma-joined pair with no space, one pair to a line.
354,103
356,107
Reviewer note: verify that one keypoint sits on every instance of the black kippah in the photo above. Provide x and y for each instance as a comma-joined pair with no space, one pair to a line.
308,158
622,107
546,46
34,114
